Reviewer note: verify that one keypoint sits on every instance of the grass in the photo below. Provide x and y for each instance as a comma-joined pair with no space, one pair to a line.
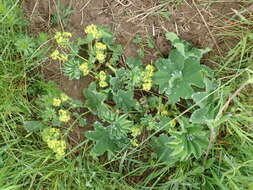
27,163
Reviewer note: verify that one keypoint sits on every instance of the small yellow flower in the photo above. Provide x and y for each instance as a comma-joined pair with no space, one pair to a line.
136,131
64,97
63,57
150,68
55,54
58,147
164,112
67,34
93,30
173,123
56,102
50,133
147,86
62,38
147,77
100,56
102,76
100,46
51,136
103,84
84,68
134,142
57,35
64,116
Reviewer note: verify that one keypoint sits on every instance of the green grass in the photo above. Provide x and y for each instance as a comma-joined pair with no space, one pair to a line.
27,163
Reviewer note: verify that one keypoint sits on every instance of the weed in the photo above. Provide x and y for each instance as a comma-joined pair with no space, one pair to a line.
62,14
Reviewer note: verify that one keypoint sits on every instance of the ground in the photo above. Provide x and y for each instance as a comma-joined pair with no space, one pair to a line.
198,22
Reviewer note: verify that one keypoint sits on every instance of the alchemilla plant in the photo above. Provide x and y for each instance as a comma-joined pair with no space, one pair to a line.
55,114
131,98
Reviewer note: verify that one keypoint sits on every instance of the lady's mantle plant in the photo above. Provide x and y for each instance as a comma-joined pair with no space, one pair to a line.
130,98
56,112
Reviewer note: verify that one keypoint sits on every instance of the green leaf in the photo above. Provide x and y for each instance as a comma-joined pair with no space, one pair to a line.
134,62
95,100
42,38
119,81
71,69
126,79
177,74
122,123
124,100
107,36
171,36
153,102
207,102
185,48
141,52
117,52
150,43
162,150
82,122
191,140
176,79
135,78
104,140
101,136
33,126
137,39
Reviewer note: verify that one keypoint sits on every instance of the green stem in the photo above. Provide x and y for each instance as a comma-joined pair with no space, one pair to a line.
111,67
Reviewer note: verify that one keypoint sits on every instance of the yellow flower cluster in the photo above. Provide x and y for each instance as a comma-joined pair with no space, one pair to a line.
164,112
58,146
102,79
100,56
62,38
93,30
57,55
100,46
136,131
51,136
56,102
100,51
147,77
173,123
64,116
64,97
134,142
84,68
50,133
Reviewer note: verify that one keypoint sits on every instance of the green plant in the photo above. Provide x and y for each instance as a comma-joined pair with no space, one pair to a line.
182,70
62,14
56,112
122,97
